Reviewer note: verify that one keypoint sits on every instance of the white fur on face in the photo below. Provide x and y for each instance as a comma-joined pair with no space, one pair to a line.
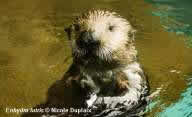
113,39
99,23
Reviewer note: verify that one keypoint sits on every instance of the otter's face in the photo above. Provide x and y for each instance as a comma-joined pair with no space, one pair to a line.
98,33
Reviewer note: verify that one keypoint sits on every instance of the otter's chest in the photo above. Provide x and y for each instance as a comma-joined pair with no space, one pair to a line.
110,83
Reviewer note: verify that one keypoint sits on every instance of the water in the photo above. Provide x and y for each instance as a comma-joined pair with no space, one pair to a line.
182,108
176,16
35,52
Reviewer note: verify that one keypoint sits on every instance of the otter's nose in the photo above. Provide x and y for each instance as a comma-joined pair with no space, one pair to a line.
87,40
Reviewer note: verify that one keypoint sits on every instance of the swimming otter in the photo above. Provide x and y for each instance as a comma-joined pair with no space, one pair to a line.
104,53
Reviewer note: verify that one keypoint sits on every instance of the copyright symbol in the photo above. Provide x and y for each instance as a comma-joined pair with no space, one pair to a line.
47,110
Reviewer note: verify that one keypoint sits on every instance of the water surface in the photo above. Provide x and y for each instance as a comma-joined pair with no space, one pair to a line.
34,50
175,16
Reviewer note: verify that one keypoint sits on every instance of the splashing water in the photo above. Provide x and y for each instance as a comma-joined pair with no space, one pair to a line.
182,108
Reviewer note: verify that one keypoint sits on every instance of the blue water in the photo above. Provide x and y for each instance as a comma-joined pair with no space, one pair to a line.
182,108
176,16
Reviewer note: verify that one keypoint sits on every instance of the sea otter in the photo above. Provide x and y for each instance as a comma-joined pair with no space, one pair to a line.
104,53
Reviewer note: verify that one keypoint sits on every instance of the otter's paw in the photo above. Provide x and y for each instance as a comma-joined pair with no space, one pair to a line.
114,102
92,99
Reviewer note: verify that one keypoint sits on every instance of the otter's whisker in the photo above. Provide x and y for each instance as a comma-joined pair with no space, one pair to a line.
105,55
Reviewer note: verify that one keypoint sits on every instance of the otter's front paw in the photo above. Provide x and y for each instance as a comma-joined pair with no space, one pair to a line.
113,102
103,103
92,99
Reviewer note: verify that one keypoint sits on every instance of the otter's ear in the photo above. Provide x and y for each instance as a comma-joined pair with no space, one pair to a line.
68,30
132,35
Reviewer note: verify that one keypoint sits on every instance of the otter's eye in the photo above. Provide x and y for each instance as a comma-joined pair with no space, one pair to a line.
111,28
77,27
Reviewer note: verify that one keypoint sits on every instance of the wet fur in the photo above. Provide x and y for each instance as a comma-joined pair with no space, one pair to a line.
111,75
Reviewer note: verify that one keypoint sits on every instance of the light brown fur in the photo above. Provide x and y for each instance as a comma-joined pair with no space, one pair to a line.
111,61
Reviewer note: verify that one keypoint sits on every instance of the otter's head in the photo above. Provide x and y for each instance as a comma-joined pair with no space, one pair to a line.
98,33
